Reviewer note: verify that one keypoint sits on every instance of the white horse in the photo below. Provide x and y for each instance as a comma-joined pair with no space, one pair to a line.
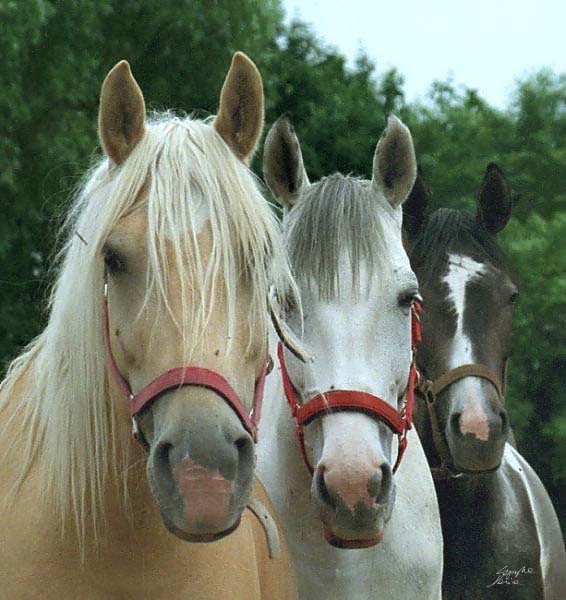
344,240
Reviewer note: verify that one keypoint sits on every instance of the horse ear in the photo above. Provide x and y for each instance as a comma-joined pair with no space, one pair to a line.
283,167
494,200
414,208
121,117
394,162
240,116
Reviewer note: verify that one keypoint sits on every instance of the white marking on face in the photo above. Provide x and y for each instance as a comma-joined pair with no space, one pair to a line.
196,217
201,213
461,271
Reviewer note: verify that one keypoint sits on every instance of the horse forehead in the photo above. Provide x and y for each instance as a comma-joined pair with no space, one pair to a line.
134,226
461,270
391,271
198,214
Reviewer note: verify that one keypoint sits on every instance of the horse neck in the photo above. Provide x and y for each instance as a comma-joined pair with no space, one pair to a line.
122,517
130,518
470,496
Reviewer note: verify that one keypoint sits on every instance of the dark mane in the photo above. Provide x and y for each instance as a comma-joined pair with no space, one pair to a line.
449,230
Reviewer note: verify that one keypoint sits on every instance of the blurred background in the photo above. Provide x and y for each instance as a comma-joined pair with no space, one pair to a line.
473,87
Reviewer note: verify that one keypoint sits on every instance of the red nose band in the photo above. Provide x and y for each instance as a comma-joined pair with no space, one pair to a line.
344,400
185,376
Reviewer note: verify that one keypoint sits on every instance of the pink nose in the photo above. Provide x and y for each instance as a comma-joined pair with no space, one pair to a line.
475,424
365,482
205,494
482,422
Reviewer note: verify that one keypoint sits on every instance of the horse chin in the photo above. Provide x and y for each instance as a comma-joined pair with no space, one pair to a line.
188,536
347,543
204,528
352,536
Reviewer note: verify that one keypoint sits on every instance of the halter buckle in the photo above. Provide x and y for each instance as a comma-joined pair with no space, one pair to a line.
443,473
135,428
269,364
425,387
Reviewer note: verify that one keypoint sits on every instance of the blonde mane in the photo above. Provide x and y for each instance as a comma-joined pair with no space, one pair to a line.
64,415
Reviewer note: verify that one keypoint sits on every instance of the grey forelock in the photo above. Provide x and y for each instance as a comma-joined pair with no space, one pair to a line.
338,216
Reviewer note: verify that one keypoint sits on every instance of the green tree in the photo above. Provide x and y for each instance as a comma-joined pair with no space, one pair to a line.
327,101
536,397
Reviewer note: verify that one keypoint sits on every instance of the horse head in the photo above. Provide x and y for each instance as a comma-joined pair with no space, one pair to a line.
344,240
469,293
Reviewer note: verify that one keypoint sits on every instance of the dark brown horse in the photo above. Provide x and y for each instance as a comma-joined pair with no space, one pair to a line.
501,535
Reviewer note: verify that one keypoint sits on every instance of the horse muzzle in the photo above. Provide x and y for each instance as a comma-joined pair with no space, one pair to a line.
200,466
354,504
476,438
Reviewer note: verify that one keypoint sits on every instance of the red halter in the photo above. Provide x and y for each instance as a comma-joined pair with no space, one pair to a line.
181,376
338,400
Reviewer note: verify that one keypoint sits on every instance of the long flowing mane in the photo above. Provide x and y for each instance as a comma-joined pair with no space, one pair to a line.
64,414
338,213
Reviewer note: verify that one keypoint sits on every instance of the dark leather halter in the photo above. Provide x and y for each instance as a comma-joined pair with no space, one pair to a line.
184,376
430,389
341,400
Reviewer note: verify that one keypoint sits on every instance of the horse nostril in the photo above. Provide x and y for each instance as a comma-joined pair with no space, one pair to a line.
504,422
245,447
162,455
322,489
383,484
455,423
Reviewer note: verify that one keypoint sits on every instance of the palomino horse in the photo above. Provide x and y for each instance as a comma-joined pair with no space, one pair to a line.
343,236
501,535
171,224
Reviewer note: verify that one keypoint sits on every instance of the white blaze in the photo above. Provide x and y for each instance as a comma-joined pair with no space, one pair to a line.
461,271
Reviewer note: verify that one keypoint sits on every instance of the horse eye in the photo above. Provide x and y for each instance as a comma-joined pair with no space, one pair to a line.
113,261
513,297
406,299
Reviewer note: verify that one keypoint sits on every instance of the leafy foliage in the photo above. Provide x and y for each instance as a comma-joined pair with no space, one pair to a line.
56,53
536,390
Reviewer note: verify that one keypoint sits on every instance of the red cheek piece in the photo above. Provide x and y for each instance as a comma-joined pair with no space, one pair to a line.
343,400
186,376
